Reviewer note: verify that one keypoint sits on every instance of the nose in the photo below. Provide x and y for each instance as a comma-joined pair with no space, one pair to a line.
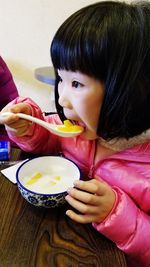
64,100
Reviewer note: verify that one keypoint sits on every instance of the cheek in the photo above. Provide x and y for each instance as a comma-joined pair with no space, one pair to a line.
87,113
92,112
93,106
81,107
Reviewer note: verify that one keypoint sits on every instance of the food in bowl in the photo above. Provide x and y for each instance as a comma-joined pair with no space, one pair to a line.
43,181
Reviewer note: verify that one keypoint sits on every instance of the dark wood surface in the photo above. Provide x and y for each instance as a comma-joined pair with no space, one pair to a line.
36,237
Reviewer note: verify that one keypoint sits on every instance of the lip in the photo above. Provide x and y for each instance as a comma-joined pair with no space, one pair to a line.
81,124
75,122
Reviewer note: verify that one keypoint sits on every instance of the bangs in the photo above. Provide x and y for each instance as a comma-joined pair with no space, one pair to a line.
73,49
66,54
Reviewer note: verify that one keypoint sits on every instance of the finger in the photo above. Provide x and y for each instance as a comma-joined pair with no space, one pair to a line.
9,119
21,108
20,132
12,121
85,197
81,207
92,186
13,109
22,124
20,128
17,108
80,218
9,129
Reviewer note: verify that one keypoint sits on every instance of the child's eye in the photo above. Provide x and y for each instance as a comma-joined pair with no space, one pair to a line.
77,84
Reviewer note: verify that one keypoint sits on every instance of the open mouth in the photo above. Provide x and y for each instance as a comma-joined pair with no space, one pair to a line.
68,126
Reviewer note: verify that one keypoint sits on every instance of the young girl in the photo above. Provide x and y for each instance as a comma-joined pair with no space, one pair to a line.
101,58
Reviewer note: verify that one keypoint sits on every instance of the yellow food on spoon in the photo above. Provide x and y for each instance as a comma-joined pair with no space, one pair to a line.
68,123
69,127
34,178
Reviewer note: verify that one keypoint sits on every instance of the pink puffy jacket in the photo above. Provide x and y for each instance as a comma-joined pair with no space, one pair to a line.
128,172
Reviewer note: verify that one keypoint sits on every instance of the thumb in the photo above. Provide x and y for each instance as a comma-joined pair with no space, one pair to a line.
21,108
96,177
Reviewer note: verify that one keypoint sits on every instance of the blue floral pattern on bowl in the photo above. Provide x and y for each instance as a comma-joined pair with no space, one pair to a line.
46,201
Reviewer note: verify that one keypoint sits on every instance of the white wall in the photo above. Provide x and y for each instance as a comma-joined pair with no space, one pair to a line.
26,30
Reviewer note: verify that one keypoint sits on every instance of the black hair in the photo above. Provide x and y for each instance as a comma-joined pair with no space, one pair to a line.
110,41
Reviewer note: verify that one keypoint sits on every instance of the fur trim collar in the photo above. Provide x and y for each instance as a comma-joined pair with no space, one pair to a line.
122,143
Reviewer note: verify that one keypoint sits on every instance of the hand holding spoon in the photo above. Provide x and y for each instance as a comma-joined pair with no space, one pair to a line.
60,130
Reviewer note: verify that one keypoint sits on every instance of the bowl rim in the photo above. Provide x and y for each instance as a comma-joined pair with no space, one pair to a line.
43,194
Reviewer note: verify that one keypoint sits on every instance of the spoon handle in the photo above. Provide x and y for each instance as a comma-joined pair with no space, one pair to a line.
44,124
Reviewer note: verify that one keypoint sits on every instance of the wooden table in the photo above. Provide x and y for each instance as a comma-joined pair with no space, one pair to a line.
36,237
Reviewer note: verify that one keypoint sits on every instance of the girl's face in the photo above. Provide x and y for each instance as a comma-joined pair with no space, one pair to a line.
81,97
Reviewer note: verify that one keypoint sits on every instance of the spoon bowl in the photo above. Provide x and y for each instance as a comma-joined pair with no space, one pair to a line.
53,128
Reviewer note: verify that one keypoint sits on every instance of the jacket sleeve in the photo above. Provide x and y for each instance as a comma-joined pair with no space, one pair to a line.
129,228
38,140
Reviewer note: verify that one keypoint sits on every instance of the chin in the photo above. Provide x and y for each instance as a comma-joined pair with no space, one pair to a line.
90,135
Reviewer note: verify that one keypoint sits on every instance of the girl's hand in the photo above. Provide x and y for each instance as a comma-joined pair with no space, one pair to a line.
92,199
18,126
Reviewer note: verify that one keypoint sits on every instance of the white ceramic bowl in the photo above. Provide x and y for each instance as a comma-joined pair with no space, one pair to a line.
43,181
